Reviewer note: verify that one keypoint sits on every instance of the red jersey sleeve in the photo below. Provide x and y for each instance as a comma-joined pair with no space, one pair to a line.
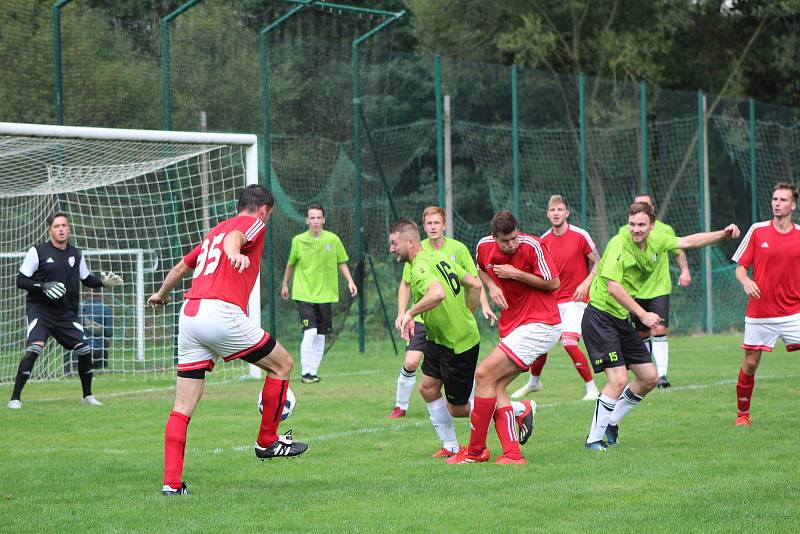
480,255
191,258
543,264
744,254
588,246
252,228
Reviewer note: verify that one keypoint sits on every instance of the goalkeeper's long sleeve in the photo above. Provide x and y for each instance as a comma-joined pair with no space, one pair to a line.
92,281
27,283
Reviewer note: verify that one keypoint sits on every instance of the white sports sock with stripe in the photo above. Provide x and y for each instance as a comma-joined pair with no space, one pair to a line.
307,351
604,406
660,354
443,424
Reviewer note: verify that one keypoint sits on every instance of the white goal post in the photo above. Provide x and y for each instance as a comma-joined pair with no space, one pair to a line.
137,201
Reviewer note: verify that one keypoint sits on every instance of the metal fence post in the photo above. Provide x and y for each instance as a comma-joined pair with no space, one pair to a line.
753,168
57,60
165,60
440,188
515,142
643,113
582,154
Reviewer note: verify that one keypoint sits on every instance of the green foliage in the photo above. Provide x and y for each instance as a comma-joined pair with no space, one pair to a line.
678,468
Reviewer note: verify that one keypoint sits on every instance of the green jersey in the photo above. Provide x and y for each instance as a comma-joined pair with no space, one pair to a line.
450,323
316,261
624,262
453,249
660,282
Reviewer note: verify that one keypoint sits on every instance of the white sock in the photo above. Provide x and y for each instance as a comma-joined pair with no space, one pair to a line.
317,351
602,413
625,404
405,385
307,351
590,386
443,424
518,408
533,381
660,354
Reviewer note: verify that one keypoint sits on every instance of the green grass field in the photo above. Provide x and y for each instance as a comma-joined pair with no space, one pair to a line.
682,465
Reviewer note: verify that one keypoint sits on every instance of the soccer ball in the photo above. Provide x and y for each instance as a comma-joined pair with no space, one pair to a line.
288,406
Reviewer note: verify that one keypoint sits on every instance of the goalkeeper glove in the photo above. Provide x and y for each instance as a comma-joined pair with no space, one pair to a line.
110,279
54,290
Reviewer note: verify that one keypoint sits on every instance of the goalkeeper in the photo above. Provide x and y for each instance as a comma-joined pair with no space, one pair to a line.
50,274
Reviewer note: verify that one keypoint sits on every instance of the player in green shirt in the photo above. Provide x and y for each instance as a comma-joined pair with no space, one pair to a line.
314,258
451,354
654,297
433,221
611,340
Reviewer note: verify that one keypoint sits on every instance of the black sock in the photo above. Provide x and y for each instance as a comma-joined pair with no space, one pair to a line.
86,372
24,371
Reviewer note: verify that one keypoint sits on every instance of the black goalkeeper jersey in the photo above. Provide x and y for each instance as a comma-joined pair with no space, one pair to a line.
51,264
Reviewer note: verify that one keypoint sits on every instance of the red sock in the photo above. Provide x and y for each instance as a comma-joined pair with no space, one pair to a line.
538,365
580,361
273,395
480,418
174,448
506,426
744,392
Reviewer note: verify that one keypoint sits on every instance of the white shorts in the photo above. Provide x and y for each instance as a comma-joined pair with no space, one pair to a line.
527,342
571,316
763,335
209,329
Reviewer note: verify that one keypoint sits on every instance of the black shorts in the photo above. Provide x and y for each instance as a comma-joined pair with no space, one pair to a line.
456,371
65,328
419,342
314,315
611,342
659,305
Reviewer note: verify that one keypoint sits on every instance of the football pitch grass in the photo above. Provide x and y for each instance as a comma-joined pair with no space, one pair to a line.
681,464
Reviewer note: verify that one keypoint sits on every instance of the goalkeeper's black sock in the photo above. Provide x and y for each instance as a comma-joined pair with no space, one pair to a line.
85,370
25,368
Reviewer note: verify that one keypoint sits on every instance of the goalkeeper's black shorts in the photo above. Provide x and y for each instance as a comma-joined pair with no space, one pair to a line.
64,327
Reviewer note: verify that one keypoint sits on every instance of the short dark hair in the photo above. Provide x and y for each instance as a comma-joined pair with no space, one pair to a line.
315,206
648,195
404,226
52,217
642,207
786,185
253,197
503,223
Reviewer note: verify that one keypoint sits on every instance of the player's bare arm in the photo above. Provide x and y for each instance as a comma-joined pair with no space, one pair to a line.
509,272
403,295
232,245
287,274
685,277
751,289
174,276
649,319
432,298
704,239
351,285
495,292
583,288
473,286
486,309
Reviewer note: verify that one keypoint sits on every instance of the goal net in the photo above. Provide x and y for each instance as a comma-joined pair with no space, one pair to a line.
137,202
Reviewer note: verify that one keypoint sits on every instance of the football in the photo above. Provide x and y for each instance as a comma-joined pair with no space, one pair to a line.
288,406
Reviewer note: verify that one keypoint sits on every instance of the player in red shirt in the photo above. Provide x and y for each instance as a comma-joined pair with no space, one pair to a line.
772,249
214,323
573,251
521,277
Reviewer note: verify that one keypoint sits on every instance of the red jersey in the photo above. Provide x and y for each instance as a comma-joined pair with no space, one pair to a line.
775,258
214,277
569,251
526,304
